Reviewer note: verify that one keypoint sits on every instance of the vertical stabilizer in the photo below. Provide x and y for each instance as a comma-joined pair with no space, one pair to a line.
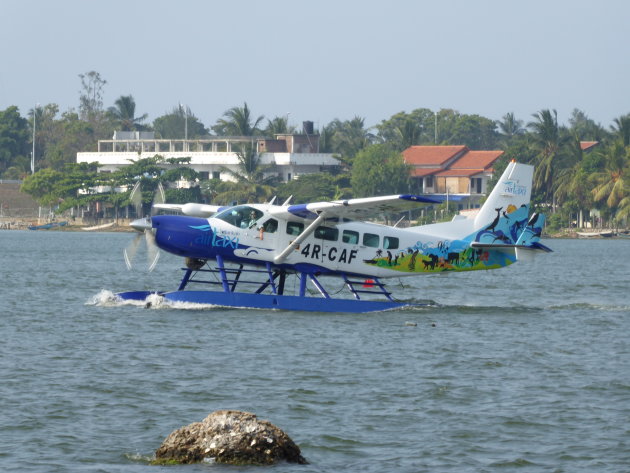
512,191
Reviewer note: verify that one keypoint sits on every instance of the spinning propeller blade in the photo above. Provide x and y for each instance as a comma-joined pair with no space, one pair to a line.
136,199
153,252
158,198
143,225
130,251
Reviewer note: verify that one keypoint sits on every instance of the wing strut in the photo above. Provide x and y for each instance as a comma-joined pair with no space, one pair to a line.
295,243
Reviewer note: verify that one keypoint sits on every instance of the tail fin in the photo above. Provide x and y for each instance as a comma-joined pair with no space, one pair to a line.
512,191
504,219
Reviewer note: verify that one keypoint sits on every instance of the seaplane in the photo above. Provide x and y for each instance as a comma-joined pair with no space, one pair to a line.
243,255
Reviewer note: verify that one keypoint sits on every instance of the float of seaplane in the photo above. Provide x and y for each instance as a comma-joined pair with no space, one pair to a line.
242,255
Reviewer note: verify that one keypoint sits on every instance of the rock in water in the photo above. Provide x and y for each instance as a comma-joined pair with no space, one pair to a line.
229,437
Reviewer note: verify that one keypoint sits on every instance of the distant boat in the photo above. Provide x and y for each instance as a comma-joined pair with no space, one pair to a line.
98,227
602,234
47,226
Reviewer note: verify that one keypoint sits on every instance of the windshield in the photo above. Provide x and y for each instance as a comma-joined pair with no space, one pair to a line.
241,216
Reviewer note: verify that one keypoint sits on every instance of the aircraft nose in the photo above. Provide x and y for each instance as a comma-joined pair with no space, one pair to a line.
141,224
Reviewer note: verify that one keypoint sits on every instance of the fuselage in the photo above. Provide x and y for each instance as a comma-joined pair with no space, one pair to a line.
255,234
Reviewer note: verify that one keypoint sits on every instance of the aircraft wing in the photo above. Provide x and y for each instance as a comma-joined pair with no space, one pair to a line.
357,208
191,209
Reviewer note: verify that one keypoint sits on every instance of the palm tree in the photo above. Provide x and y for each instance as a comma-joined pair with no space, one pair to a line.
622,128
409,133
572,184
123,114
612,185
548,142
238,121
350,137
510,126
278,126
251,183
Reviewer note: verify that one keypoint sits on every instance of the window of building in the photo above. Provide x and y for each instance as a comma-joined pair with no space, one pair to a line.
216,174
295,228
475,185
327,233
428,181
204,175
390,243
371,240
350,237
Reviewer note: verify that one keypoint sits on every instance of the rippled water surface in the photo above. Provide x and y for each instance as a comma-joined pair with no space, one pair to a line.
525,368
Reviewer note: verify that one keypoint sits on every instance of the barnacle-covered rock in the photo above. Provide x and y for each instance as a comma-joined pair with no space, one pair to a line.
227,436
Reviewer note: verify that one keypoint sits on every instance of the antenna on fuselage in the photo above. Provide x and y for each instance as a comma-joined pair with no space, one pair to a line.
286,202
272,200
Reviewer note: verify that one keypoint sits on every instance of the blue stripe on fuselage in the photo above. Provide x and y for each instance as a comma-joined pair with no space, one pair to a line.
187,236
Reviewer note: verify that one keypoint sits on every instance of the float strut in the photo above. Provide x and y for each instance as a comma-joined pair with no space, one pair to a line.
303,277
185,279
224,281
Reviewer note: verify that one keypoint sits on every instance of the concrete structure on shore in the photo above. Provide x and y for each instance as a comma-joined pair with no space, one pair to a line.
287,155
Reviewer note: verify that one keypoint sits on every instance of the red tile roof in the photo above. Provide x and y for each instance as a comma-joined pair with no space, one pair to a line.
477,160
586,145
431,155
421,172
449,161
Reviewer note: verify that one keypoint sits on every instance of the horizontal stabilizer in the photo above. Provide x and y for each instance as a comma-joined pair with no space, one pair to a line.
533,246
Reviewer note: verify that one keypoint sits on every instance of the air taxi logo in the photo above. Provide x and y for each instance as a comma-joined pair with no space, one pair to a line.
213,239
512,188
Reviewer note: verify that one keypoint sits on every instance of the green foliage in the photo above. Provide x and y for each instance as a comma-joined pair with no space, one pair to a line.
14,141
567,179
183,196
123,114
173,125
72,136
311,188
350,137
379,170
238,121
278,126
475,131
407,129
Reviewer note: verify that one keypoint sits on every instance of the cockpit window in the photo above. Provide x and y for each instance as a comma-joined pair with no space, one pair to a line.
241,216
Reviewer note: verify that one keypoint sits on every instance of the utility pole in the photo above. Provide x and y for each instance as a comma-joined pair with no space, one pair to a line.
34,126
435,129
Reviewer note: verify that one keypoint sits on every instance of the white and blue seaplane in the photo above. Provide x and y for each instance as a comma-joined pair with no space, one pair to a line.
242,255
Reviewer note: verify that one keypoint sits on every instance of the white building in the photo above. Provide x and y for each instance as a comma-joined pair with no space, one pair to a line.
291,155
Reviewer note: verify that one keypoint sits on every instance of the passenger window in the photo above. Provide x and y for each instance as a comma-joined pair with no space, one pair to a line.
369,239
270,226
350,237
327,233
390,243
294,228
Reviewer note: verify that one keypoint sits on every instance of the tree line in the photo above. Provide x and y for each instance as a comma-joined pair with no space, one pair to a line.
569,181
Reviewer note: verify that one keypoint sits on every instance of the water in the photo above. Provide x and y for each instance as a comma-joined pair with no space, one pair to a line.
525,368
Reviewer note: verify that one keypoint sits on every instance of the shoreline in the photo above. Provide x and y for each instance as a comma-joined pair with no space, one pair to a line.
125,228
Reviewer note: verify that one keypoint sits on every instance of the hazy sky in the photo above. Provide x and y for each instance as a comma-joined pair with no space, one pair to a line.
322,59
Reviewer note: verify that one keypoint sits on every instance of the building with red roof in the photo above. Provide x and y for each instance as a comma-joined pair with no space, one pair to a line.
458,172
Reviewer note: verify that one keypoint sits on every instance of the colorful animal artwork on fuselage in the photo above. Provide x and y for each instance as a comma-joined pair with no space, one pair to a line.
510,227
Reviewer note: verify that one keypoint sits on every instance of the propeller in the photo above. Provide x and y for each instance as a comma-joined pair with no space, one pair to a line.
144,228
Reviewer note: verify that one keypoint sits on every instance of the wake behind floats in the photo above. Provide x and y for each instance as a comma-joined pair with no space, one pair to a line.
245,253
